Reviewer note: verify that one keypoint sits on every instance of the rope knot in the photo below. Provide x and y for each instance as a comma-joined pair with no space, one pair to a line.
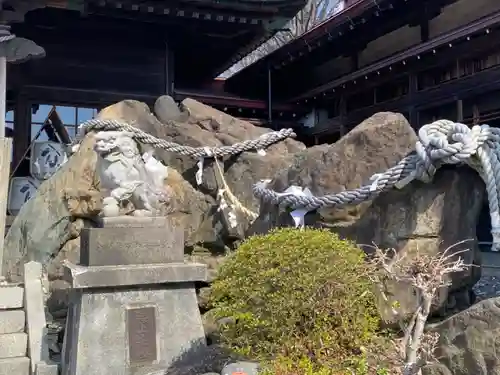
447,142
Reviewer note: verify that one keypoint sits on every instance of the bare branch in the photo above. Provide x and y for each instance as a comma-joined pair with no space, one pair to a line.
426,273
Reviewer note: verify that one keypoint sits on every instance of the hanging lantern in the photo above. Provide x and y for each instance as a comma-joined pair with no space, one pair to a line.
46,159
21,190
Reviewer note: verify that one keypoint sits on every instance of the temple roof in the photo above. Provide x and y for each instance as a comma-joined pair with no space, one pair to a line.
341,35
330,29
208,35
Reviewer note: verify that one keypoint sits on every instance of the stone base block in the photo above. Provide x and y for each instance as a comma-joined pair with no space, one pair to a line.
142,274
11,297
13,345
15,366
12,321
129,240
131,332
43,368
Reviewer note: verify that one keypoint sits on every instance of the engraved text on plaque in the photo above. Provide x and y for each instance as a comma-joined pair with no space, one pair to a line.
141,327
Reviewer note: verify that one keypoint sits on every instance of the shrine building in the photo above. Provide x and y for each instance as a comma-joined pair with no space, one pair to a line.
102,51
427,59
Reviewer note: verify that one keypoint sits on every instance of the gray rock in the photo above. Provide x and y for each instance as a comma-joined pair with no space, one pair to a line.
373,146
166,109
197,205
430,217
71,197
247,368
469,342
487,287
65,202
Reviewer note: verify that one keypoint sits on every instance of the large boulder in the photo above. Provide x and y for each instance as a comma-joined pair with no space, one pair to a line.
373,146
204,126
47,228
468,342
62,206
427,217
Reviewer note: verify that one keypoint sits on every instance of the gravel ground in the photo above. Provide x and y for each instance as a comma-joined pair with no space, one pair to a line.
487,287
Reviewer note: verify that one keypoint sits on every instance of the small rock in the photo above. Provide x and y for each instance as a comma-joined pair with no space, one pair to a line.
166,109
247,368
203,298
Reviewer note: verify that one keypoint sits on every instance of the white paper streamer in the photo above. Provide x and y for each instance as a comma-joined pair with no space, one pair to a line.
299,214
199,173
374,179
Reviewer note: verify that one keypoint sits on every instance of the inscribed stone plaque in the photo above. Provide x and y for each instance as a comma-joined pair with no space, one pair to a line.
141,326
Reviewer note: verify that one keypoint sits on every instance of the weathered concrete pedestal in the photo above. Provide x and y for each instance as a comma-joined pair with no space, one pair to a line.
134,307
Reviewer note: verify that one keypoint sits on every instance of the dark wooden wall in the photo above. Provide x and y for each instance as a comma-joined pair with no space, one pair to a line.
95,56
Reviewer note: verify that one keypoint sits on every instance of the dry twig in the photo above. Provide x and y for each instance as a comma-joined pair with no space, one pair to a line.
426,274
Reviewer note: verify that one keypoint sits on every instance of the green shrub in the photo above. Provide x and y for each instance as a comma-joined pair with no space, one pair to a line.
300,301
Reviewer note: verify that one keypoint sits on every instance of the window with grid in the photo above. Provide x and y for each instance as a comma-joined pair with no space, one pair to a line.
71,117
9,120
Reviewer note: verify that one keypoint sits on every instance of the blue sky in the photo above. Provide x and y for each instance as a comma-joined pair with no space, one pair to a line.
70,116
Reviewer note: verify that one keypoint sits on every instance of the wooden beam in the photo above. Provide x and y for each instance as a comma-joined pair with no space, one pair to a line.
465,50
468,86
55,123
488,21
356,39
92,98
231,101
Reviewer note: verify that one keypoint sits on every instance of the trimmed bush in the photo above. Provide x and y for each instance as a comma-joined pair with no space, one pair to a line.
300,301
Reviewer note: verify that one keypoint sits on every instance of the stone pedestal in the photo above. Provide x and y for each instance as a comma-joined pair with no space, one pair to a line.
133,308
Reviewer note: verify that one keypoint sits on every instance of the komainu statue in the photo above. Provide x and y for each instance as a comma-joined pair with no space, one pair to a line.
129,177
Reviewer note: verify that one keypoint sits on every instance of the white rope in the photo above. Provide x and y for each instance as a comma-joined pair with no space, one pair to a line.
442,142
260,143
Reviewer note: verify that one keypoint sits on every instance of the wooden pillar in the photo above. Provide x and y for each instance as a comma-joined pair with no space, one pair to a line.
270,97
460,110
424,31
5,152
424,23
354,61
22,131
169,71
343,115
412,111
476,115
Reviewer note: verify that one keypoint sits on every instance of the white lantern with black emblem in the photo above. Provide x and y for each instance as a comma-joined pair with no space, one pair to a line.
46,159
21,190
